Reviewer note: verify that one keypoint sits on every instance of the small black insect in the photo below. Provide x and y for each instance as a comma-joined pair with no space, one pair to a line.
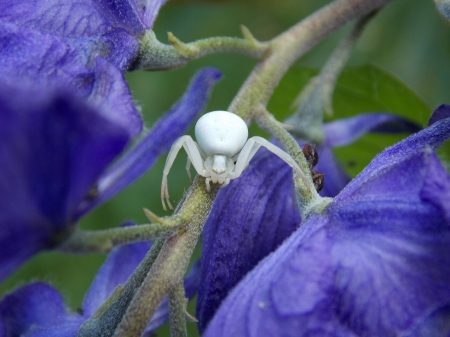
312,157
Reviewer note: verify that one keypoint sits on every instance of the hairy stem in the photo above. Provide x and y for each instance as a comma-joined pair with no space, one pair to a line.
169,268
267,122
103,241
177,311
104,322
155,55
316,97
290,45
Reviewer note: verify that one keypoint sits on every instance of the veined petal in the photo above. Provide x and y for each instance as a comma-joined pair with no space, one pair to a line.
148,10
44,60
75,18
360,275
111,95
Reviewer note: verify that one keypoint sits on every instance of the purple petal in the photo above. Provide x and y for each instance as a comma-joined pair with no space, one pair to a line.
65,43
249,309
32,56
36,55
37,310
249,219
346,131
173,125
430,137
363,275
44,60
75,18
149,10
51,154
398,192
110,93
436,189
442,112
118,267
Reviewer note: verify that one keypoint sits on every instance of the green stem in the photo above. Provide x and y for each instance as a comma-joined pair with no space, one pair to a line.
177,311
267,122
290,45
104,322
154,55
316,97
171,264
103,241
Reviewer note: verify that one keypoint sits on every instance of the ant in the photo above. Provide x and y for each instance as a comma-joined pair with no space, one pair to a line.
312,157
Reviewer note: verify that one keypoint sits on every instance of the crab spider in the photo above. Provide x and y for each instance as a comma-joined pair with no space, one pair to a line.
222,151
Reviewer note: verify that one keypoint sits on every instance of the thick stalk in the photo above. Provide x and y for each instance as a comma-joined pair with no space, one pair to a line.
170,266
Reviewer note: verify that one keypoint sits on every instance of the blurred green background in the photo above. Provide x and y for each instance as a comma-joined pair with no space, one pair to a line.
408,39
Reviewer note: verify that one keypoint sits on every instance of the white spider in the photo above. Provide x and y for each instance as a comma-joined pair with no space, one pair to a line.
222,150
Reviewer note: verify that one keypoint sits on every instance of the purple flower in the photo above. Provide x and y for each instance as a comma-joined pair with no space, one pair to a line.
257,212
82,45
38,309
56,150
375,263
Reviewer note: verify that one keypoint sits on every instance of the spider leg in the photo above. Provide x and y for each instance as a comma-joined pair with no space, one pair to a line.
193,156
225,183
254,143
188,166
246,154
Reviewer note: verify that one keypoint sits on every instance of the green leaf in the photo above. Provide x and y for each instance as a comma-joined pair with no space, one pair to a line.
358,90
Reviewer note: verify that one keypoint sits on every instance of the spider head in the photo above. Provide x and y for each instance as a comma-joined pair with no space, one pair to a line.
220,168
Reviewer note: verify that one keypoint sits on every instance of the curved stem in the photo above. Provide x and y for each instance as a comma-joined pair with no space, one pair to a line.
316,97
290,45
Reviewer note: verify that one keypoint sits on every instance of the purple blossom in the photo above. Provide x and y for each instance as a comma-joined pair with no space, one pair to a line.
38,309
257,212
81,45
55,150
375,263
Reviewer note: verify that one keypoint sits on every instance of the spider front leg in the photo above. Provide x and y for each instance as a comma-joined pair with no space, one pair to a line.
194,156
188,163
250,148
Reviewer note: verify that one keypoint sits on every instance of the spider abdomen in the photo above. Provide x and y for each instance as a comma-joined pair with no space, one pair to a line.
221,132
